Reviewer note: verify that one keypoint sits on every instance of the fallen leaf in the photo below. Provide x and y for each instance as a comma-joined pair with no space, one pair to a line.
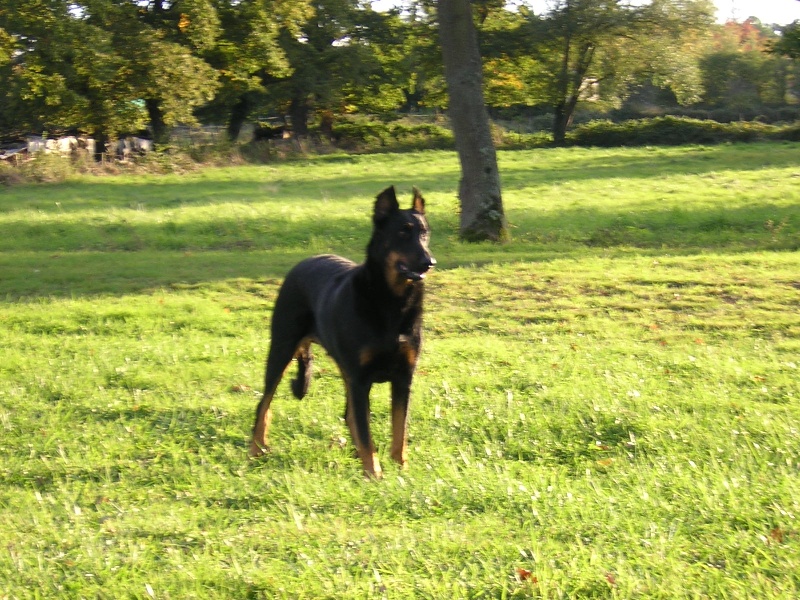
611,579
338,441
525,575
776,535
606,462
240,388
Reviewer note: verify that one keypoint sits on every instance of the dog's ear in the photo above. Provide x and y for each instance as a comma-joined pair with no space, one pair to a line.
418,203
385,204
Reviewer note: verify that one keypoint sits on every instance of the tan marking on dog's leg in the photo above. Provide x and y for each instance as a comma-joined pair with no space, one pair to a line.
366,451
258,445
400,435
410,353
367,455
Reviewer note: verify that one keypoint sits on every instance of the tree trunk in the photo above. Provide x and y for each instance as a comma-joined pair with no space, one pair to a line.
100,140
157,125
482,216
298,113
239,113
560,124
571,79
564,112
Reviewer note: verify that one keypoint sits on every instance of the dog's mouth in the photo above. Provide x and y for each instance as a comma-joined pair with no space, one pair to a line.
411,275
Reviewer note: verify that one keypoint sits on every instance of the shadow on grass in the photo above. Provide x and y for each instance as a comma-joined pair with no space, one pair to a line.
139,243
250,186
141,258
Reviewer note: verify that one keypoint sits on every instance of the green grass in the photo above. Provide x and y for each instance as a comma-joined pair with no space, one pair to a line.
606,407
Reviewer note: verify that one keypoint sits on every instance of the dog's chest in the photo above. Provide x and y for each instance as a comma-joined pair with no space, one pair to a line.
389,356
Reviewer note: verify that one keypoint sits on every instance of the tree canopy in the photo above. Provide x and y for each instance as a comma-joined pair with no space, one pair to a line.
110,67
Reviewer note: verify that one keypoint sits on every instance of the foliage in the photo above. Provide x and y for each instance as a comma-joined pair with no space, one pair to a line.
789,42
62,73
605,407
738,73
108,67
334,66
672,131
363,134
595,50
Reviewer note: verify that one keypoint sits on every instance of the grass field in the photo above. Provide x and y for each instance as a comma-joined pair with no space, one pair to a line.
607,406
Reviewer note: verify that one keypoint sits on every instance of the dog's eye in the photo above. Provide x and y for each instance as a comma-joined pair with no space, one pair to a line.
406,231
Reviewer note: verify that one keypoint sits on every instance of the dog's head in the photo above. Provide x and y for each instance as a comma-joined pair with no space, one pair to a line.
400,240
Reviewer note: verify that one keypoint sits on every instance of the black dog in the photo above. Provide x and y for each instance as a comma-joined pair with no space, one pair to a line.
368,317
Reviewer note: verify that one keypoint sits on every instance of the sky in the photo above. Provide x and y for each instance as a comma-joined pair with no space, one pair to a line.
779,12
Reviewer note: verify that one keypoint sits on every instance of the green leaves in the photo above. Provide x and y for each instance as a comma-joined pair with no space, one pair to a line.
198,23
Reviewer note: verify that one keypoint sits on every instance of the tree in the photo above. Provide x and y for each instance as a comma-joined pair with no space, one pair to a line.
164,42
789,43
248,55
384,47
333,64
741,70
511,74
482,216
61,72
594,49
99,66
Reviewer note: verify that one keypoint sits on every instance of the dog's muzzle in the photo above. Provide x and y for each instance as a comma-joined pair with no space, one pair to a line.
416,274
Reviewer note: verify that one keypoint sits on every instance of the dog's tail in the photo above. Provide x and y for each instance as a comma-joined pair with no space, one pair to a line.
300,383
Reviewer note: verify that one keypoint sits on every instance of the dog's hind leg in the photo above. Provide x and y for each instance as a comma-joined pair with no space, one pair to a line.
281,352
258,444
304,358
290,330
277,361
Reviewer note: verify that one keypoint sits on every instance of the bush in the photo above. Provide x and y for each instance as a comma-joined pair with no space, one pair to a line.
364,135
9,174
669,131
46,168
790,133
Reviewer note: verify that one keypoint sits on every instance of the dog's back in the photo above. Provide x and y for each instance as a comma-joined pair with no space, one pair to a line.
309,283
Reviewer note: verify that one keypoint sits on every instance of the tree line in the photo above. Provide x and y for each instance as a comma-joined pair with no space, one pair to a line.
110,67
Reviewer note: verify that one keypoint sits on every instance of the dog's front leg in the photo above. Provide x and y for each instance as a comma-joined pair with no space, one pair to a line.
357,417
400,395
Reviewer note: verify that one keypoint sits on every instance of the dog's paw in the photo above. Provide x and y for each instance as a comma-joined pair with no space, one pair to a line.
256,451
375,475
